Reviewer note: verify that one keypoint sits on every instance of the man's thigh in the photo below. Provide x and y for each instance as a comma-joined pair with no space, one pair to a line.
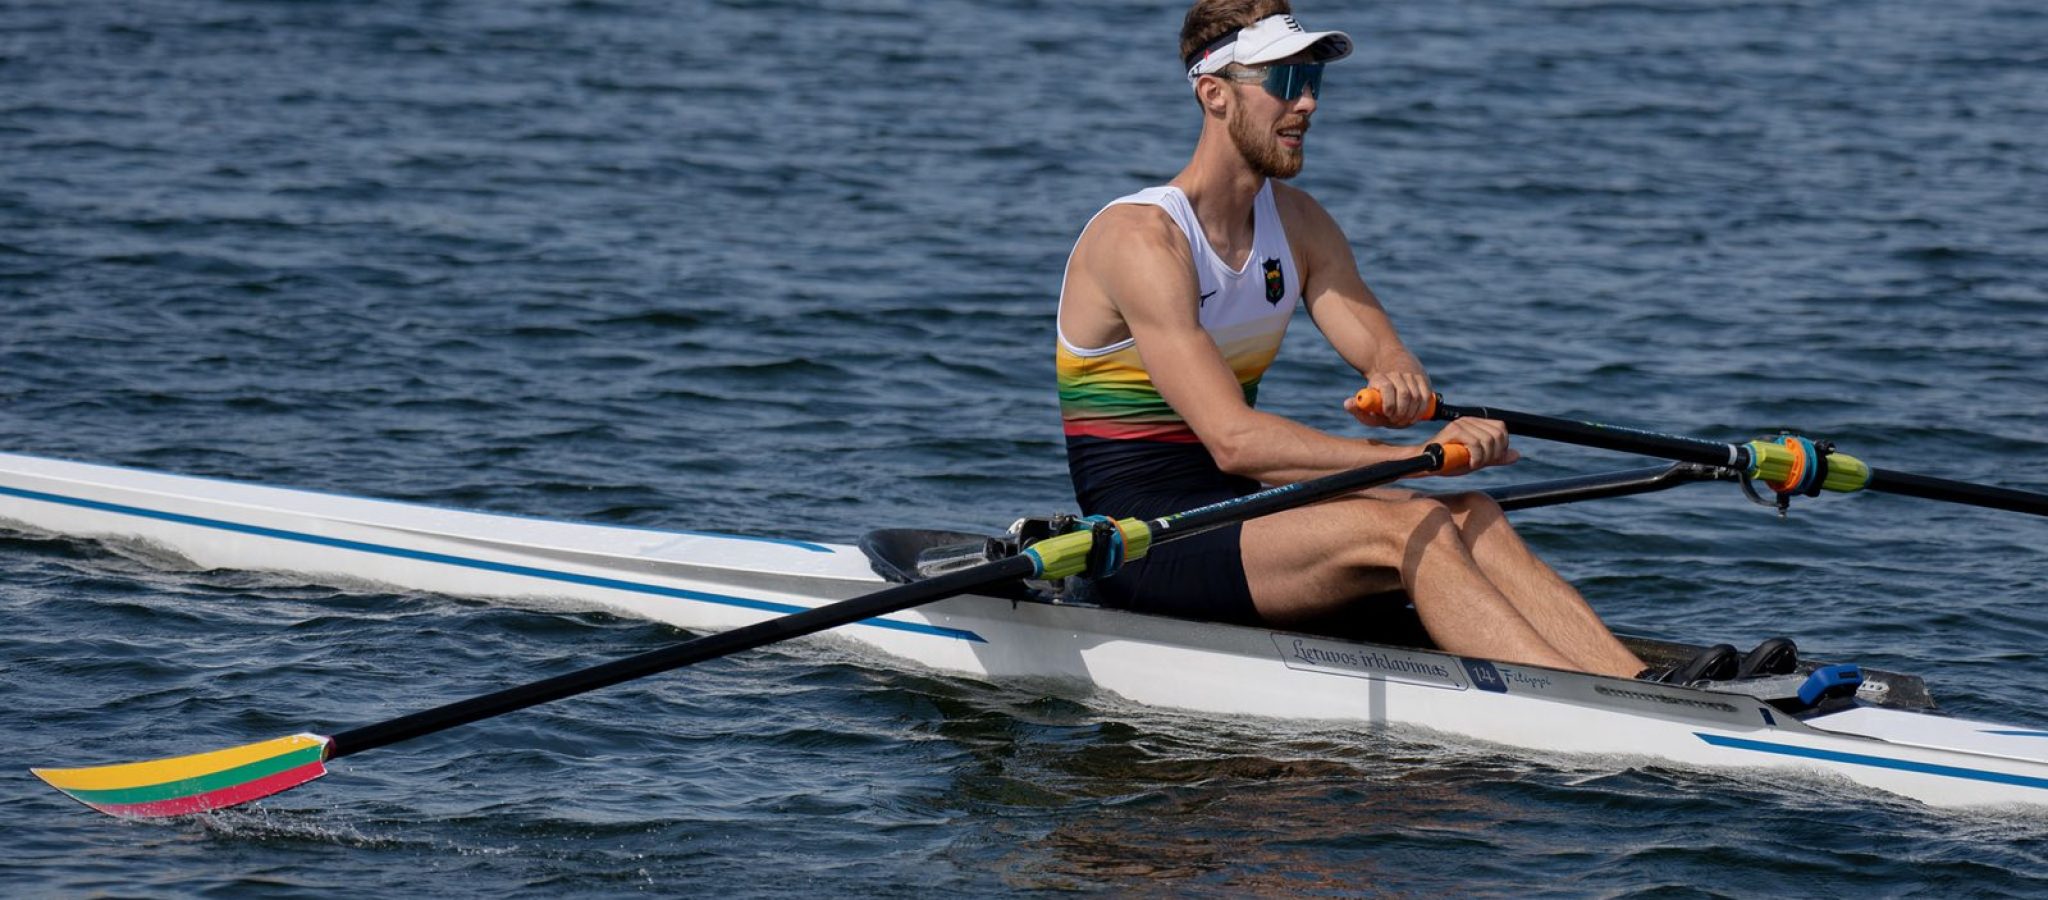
1309,561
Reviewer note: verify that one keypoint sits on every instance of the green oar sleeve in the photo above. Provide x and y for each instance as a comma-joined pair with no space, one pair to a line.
1067,554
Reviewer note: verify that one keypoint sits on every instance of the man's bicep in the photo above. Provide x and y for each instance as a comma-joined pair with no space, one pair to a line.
1155,291
1184,362
1191,374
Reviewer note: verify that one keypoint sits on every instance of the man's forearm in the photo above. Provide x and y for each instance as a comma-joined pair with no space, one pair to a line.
1273,449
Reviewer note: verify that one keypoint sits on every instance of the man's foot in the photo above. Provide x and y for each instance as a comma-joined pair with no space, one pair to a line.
1716,663
1775,656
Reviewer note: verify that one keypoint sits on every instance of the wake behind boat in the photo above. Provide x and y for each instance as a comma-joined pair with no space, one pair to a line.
1877,729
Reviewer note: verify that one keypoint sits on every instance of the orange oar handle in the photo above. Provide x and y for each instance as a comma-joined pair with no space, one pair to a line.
1457,458
1369,402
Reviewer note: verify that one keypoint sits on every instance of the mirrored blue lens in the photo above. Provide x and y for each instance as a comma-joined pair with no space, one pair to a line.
1287,82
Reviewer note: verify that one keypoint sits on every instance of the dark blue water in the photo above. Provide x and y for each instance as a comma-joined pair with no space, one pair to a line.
788,269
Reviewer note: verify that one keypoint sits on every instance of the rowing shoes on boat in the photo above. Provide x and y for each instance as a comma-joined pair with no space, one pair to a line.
986,607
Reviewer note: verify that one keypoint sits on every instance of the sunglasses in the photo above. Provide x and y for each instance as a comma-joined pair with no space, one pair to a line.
1285,81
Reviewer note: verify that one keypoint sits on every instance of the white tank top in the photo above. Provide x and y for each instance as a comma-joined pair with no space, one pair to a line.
1105,392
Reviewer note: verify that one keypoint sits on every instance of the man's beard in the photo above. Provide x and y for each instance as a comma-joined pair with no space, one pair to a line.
1262,151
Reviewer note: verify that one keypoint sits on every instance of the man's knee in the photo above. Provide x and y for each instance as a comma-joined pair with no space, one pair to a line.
1474,506
1391,527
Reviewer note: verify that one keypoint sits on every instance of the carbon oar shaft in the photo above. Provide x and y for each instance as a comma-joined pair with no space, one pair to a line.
654,662
1742,457
1025,565
1604,437
1927,487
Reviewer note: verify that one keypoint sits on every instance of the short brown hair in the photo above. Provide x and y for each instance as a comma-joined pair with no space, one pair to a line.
1208,20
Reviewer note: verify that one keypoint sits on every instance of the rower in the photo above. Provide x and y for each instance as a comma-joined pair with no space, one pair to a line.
1174,302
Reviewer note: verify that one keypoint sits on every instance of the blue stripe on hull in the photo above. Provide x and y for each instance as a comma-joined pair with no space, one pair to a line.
1877,762
468,563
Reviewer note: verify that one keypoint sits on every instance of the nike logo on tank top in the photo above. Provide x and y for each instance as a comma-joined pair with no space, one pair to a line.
1106,393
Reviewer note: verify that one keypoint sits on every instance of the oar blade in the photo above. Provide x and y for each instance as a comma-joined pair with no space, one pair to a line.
182,785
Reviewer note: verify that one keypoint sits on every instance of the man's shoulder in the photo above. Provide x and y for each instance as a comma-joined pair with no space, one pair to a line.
1126,229
1305,219
1122,218
1297,203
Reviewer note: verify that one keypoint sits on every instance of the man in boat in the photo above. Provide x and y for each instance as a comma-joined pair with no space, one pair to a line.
1175,301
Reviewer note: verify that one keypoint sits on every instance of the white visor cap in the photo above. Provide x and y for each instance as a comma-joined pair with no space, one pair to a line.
1268,39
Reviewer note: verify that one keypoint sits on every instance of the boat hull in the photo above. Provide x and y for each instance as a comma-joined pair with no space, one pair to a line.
711,582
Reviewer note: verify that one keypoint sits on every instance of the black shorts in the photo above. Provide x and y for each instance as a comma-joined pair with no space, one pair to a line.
1199,577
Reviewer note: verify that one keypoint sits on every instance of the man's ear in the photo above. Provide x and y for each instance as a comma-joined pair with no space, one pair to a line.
1214,96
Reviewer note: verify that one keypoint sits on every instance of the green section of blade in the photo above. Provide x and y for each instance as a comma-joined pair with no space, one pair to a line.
203,784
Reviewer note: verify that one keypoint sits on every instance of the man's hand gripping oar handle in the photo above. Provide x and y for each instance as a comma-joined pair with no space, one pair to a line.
1788,465
1371,403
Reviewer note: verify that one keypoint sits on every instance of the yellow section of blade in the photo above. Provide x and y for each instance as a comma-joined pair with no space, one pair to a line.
173,768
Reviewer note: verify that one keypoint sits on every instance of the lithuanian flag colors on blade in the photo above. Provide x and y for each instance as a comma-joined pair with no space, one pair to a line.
181,785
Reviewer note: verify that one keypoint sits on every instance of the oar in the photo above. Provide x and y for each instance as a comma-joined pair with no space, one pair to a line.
188,784
1789,465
